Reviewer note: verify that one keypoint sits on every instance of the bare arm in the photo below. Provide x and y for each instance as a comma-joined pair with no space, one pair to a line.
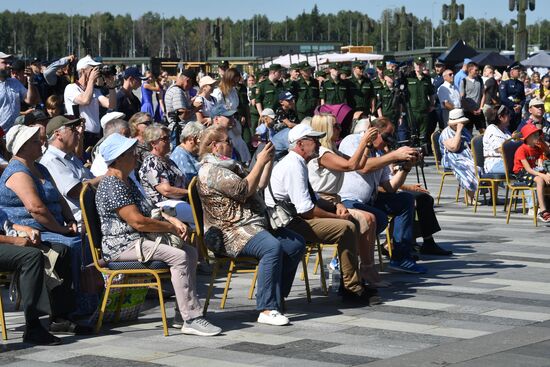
453,144
334,162
170,191
154,88
131,215
23,186
257,177
74,193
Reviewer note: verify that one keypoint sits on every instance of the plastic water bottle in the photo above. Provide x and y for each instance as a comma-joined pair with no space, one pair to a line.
335,281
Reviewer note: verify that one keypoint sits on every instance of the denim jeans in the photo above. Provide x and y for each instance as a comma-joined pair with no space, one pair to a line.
401,206
279,254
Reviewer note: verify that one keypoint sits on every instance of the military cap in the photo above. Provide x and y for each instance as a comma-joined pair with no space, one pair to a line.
358,64
294,66
345,70
515,65
334,65
320,73
380,64
438,62
389,72
223,64
275,67
420,60
304,65
264,72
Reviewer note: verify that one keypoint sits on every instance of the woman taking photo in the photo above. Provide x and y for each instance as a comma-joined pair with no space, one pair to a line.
125,215
234,217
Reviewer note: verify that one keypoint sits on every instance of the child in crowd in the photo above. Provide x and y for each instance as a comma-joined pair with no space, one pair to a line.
528,165
265,130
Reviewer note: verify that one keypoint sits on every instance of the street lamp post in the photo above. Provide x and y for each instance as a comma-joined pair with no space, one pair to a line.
521,30
452,13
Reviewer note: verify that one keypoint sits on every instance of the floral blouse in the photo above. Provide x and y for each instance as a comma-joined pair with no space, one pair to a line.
156,170
112,194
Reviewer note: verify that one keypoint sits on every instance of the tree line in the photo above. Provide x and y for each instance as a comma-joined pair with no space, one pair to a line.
49,36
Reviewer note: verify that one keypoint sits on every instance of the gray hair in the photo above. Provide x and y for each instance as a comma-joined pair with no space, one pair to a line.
191,129
115,126
52,138
153,133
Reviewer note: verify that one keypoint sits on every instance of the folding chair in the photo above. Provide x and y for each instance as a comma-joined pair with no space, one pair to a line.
485,180
444,172
508,151
130,269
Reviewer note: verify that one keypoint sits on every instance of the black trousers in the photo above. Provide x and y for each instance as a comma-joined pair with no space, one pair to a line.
427,223
36,299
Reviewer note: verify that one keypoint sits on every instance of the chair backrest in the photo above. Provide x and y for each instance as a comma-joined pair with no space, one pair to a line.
477,153
196,206
436,151
92,223
508,150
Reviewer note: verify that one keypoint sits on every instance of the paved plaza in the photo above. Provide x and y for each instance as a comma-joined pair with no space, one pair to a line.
487,305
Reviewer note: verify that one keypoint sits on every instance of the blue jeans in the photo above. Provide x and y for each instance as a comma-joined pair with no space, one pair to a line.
401,206
279,255
497,168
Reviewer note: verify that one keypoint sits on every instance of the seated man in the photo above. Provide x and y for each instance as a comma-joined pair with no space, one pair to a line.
360,191
20,252
289,182
67,171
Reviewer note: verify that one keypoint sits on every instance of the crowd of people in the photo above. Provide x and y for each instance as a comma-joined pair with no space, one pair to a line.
331,149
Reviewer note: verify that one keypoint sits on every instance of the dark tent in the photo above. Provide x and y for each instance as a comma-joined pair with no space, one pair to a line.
457,53
492,58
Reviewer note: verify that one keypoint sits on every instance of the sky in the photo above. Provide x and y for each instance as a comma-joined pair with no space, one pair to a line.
275,10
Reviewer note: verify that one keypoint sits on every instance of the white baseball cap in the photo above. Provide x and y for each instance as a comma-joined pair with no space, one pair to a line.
111,116
4,56
268,112
301,131
85,62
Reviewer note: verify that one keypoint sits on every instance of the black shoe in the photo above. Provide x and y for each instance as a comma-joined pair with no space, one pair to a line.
61,326
429,247
369,297
177,321
39,336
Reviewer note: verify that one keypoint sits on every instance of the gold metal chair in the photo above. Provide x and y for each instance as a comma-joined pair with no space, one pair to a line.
130,269
3,321
508,151
439,167
488,180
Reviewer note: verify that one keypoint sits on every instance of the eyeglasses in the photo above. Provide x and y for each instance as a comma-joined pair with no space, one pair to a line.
539,106
146,122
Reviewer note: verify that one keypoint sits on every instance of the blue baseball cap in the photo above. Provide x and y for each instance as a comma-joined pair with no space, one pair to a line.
285,96
134,73
467,61
114,146
221,110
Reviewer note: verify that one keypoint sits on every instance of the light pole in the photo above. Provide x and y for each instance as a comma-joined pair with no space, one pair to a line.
452,13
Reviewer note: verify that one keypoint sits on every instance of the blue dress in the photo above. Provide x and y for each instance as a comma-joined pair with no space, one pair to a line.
147,104
18,214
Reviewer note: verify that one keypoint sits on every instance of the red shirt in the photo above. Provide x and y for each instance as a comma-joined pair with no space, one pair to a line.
528,153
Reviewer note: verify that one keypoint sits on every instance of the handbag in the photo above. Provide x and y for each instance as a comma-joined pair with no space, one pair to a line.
282,213
166,238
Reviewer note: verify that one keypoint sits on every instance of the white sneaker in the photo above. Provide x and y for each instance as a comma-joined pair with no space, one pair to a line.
274,318
531,212
201,327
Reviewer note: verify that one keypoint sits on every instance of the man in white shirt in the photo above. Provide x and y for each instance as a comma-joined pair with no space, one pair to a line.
289,182
67,171
12,93
88,97
360,191
448,95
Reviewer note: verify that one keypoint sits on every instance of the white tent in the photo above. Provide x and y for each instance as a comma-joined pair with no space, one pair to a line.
285,60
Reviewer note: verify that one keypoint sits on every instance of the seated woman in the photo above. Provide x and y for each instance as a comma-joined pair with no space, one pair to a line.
138,123
235,212
125,215
454,143
495,134
185,155
29,196
326,175
160,177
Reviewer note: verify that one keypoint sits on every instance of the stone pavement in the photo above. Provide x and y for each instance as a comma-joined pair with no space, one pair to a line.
488,305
